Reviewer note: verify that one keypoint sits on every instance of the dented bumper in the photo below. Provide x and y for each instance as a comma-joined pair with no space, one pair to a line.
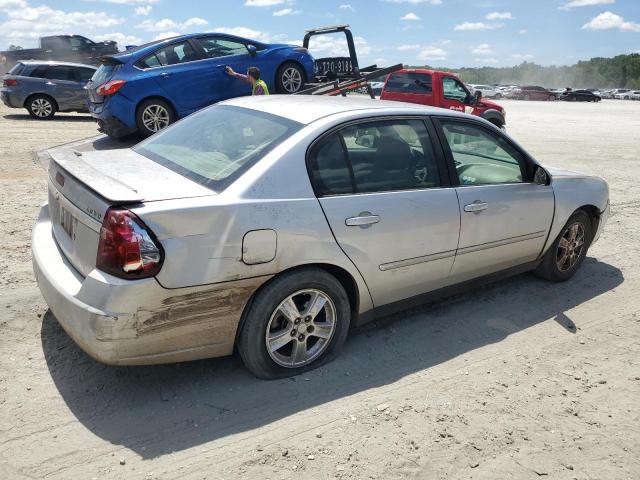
136,322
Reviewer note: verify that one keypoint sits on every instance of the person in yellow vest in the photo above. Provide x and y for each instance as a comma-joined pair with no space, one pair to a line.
258,87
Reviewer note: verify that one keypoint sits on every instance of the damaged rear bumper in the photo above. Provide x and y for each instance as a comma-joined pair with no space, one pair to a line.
136,322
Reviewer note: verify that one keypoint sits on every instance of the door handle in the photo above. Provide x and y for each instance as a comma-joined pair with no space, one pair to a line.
363,220
476,207
165,74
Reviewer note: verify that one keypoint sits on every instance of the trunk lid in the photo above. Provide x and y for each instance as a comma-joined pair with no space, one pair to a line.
82,186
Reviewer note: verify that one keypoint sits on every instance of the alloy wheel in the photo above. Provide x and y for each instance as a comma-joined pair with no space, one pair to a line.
41,107
291,80
301,327
155,118
570,247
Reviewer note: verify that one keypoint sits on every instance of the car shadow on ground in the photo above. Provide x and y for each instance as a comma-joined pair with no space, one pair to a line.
57,118
157,410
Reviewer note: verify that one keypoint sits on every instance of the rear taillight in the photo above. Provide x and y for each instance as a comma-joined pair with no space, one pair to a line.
110,88
10,82
127,248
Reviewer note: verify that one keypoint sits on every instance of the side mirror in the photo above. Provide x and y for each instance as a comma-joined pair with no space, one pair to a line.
252,50
541,177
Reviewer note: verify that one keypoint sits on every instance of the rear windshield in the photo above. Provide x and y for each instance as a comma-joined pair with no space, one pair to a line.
105,72
214,146
17,68
409,82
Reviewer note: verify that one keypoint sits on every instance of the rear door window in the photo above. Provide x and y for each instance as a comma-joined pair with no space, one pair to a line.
330,174
105,72
215,47
41,71
409,82
175,54
63,72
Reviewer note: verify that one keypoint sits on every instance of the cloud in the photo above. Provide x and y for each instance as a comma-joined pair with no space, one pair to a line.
523,31
410,16
263,3
132,2
346,6
430,52
163,35
404,48
486,61
522,56
168,24
416,2
285,11
121,38
244,32
336,46
477,26
585,3
11,4
482,49
29,23
611,21
499,16
143,11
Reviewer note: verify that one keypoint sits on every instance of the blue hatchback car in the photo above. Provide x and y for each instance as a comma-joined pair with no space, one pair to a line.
149,87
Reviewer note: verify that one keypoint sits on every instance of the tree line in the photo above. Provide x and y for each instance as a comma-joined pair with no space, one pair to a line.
622,71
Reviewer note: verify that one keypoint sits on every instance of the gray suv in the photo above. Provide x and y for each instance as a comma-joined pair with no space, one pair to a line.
44,88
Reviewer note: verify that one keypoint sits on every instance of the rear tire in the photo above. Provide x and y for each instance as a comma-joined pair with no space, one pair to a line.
280,338
41,107
290,78
527,97
567,253
154,115
552,98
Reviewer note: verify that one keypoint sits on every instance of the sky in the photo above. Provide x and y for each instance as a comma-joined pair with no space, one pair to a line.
452,33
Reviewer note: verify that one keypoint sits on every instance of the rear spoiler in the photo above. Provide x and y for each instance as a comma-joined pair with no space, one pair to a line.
105,186
111,60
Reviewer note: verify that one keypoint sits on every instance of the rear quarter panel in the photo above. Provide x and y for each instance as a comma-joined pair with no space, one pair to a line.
203,238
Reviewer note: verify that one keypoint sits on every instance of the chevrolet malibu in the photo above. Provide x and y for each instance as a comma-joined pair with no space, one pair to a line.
274,224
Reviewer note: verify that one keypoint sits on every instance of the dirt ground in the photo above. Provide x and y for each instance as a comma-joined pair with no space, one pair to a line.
521,379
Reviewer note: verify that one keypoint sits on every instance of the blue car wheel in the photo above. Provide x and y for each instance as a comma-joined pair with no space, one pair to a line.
290,78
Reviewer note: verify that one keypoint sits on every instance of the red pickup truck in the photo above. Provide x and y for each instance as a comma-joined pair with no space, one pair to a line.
440,89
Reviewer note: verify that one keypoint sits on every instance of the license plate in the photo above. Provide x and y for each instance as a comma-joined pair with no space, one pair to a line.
337,65
66,221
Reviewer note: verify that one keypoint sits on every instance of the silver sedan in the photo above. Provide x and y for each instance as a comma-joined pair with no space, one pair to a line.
274,224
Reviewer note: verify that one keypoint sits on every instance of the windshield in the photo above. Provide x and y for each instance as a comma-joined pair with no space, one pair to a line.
105,72
215,146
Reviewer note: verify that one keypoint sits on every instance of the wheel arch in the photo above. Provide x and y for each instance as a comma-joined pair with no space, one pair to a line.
345,278
283,63
42,94
594,215
157,97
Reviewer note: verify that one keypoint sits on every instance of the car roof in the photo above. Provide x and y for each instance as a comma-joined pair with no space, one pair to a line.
54,62
306,109
150,47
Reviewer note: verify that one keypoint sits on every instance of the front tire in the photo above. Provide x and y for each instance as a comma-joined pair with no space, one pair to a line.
290,78
153,115
41,107
295,323
567,253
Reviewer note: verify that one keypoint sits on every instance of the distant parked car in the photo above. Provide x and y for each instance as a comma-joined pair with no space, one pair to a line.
147,88
580,96
621,93
487,91
532,92
377,88
635,95
44,88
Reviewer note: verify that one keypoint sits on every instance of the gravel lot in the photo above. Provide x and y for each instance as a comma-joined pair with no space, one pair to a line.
521,379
